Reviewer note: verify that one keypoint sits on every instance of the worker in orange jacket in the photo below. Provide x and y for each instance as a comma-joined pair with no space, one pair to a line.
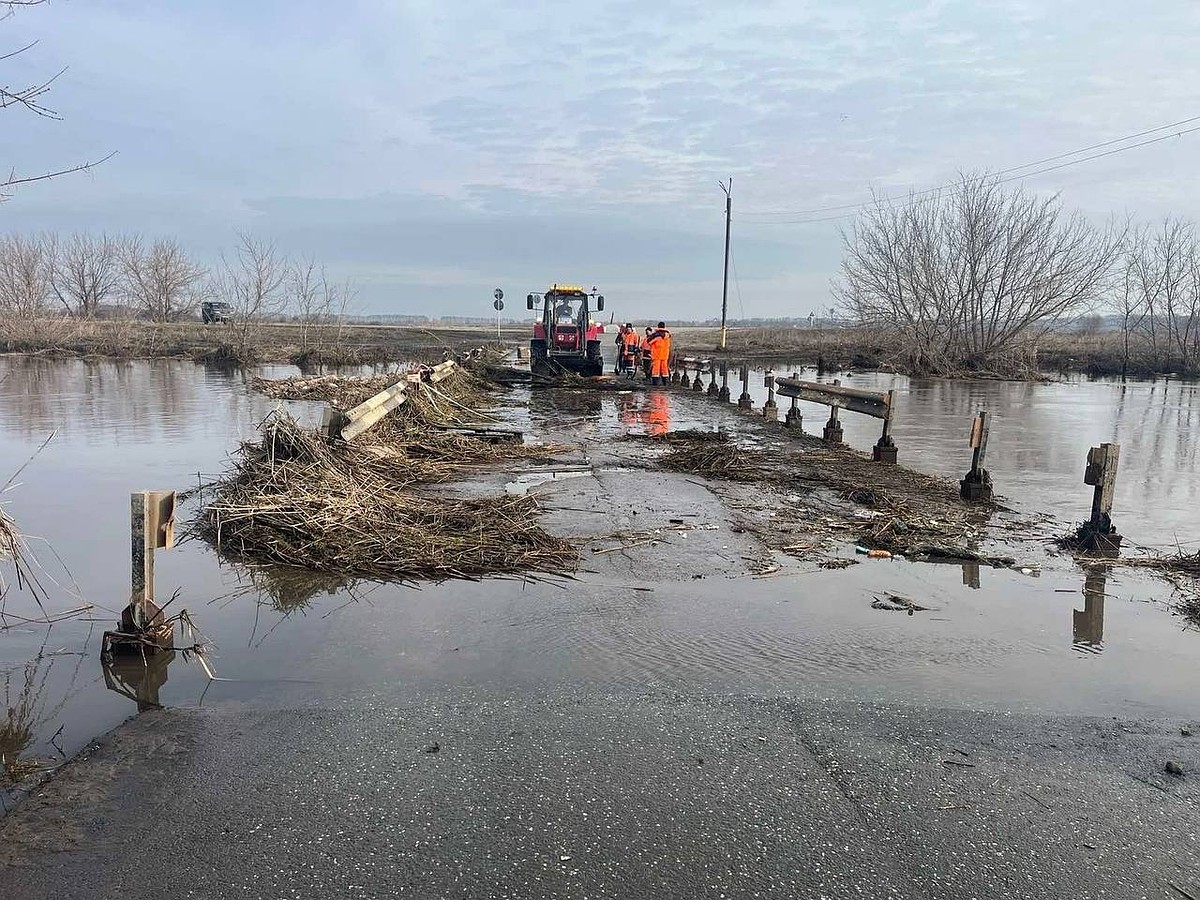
628,344
660,354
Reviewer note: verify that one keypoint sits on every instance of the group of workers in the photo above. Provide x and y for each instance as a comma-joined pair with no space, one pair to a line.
651,353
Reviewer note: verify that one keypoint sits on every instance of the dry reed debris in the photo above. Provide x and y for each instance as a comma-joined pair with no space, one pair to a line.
295,499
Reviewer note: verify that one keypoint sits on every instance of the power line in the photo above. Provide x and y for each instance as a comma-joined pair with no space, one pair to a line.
912,198
737,284
855,206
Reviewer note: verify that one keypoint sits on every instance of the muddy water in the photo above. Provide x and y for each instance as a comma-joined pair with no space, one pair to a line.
993,639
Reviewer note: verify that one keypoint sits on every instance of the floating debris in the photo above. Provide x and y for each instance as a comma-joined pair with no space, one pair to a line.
295,498
896,603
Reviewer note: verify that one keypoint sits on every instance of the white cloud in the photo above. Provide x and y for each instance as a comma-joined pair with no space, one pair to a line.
595,122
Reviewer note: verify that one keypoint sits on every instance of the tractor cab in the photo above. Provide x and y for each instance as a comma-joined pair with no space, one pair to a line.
565,338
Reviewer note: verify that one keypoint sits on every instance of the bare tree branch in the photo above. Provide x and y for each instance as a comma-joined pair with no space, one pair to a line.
30,97
969,276
161,280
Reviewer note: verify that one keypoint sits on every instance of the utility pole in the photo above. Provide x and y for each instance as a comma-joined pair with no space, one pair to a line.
728,189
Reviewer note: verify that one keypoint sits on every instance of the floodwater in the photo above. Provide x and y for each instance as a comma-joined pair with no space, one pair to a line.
1038,441
1058,638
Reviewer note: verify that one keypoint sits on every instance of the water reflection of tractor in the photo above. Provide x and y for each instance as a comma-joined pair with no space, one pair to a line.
565,339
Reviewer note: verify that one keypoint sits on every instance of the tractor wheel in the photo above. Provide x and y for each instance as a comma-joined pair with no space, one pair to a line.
539,359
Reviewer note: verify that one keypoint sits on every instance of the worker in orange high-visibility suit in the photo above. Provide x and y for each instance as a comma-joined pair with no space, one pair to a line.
660,354
628,344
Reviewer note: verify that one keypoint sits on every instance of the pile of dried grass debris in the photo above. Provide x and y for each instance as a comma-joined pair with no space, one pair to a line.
363,509
333,389
1180,569
837,495
709,454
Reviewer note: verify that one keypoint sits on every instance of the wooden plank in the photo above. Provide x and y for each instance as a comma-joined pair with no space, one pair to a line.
142,551
374,402
160,524
1108,482
976,439
358,426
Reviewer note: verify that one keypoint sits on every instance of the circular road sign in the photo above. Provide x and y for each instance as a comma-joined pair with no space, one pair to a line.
498,294
498,304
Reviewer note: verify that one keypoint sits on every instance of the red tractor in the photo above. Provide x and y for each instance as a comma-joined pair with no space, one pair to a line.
566,338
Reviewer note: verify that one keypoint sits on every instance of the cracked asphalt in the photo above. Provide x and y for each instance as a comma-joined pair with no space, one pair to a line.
624,795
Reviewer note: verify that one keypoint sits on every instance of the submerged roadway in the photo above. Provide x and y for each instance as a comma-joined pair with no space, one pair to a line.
459,776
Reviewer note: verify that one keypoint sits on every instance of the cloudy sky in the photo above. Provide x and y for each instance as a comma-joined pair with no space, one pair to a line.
435,150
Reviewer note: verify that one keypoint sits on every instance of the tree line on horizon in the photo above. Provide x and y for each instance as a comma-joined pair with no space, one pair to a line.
88,275
969,279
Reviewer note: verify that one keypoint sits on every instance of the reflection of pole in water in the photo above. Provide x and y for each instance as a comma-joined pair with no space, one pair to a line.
971,575
1088,623
139,680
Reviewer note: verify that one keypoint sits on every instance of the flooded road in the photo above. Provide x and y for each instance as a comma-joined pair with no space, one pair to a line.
999,640
1040,435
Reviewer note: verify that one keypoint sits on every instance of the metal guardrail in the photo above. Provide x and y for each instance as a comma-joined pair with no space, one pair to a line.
689,371
351,423
868,403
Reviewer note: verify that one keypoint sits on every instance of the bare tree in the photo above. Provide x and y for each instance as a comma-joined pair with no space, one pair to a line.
88,271
161,280
1161,302
1128,298
305,298
252,282
336,299
26,277
968,277
30,96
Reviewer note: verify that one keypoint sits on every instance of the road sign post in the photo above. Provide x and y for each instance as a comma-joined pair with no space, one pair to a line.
498,304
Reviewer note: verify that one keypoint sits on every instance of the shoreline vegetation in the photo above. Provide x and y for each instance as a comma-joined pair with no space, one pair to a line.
1092,351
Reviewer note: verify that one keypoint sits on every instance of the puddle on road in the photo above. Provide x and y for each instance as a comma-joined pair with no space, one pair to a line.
523,484
989,638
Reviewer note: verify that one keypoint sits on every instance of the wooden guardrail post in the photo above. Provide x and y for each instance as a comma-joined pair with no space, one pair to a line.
1100,536
770,409
681,378
698,381
885,448
723,394
151,527
745,401
794,419
713,390
833,428
970,574
977,485
674,376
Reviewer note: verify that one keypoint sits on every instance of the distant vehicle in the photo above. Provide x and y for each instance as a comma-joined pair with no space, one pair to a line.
213,312
565,337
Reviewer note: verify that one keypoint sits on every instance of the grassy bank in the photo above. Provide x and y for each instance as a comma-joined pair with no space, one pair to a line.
234,345
1095,354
